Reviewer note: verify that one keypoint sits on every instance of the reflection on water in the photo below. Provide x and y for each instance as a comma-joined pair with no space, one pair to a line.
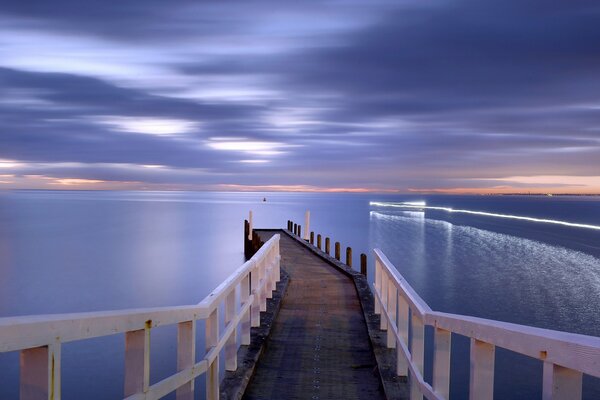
85,251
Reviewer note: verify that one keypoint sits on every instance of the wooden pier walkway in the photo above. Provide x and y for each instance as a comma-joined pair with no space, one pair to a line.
319,346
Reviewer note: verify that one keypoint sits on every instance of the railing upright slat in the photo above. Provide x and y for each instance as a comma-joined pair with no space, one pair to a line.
377,284
244,297
481,379
392,296
383,323
441,362
231,345
211,340
137,361
254,285
186,356
561,383
402,324
418,354
263,284
40,373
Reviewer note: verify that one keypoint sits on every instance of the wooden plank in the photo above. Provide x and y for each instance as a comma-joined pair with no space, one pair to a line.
231,345
137,361
186,356
481,379
441,362
418,354
561,383
245,324
402,325
212,339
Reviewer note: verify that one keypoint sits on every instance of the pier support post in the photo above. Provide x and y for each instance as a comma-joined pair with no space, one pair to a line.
327,245
349,256
337,251
363,264
300,230
295,229
250,225
312,238
319,241
306,224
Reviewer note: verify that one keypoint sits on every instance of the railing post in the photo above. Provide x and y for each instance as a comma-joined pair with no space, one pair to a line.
402,324
349,256
383,323
392,296
40,373
481,381
561,383
212,339
337,251
377,281
363,264
327,245
255,308
262,276
245,322
312,238
418,354
186,356
441,362
319,241
137,360
231,344
306,224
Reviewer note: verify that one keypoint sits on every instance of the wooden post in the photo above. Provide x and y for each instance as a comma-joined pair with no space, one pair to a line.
137,361
402,325
288,225
327,245
186,356
250,225
349,256
244,297
211,340
481,380
300,230
363,264
295,229
40,373
418,354
255,307
231,344
441,362
337,251
306,224
319,241
561,383
312,238
392,297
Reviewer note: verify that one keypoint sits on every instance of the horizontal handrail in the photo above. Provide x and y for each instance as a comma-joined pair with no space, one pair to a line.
565,355
39,337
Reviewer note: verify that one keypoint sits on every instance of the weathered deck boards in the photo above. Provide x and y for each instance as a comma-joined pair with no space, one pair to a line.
319,345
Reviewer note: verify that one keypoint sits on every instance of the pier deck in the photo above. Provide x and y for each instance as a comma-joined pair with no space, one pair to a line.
319,346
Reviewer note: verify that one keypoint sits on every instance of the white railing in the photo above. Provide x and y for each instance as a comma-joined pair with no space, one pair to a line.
566,356
39,338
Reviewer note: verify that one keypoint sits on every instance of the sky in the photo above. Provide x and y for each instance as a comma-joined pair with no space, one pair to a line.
461,96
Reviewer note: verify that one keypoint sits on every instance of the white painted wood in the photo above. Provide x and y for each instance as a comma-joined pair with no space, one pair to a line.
402,325
250,225
262,274
561,383
383,322
254,286
481,379
392,296
137,361
186,356
212,340
35,374
418,355
231,345
441,362
377,285
307,225
245,323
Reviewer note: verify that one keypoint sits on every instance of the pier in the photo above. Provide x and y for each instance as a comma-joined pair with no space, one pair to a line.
297,322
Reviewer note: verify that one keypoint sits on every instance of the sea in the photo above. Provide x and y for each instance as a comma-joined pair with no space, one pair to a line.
532,260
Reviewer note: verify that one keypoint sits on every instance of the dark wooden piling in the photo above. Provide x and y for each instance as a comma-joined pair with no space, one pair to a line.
312,238
295,229
337,251
300,230
319,241
349,256
327,245
363,264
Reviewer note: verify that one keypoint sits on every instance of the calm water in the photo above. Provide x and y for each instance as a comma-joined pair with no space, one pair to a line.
86,251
